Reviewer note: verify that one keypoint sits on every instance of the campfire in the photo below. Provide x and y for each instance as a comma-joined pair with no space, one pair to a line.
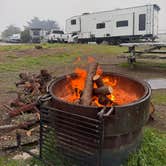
93,117
91,88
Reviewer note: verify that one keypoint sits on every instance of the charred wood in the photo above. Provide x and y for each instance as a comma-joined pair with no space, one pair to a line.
98,80
104,90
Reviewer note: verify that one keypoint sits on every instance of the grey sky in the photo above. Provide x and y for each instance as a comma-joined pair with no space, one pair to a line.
18,12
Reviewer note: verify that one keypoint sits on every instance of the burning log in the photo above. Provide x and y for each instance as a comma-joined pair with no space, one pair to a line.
98,80
104,90
104,100
86,97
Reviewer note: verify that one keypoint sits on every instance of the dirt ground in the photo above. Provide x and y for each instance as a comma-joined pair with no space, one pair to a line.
108,63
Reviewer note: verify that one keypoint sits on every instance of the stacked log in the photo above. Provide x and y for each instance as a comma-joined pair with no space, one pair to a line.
30,87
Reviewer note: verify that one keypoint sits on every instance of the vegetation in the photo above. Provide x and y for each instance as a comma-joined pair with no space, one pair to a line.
24,63
63,54
10,30
152,151
43,24
25,36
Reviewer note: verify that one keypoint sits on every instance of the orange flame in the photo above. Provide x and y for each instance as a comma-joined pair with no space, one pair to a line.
75,87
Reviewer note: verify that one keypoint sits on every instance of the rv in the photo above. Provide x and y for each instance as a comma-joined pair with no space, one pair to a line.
115,26
35,34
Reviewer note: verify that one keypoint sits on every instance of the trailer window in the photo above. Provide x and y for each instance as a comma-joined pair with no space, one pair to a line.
36,33
73,22
58,32
100,25
123,23
142,22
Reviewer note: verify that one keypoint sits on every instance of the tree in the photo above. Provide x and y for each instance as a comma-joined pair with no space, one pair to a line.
25,36
11,29
43,24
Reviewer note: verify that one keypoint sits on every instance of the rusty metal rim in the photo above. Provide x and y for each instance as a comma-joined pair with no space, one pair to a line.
146,95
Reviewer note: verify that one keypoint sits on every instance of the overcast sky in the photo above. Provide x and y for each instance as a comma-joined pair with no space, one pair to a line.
18,12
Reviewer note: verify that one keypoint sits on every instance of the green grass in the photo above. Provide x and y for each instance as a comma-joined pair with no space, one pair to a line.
92,48
4,161
64,53
152,151
159,97
28,62
16,47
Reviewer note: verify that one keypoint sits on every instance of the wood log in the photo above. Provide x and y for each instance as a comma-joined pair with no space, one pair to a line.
25,125
104,100
16,103
98,80
86,97
104,90
24,108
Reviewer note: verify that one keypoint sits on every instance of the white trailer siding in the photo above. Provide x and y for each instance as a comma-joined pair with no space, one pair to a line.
122,30
89,23
73,25
136,21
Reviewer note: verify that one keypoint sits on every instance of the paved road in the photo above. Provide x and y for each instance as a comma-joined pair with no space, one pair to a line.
8,44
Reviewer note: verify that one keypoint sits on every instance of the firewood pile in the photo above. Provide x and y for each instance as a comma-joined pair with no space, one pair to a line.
29,88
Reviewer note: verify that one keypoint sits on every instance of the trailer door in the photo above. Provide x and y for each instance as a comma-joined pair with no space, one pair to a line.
143,20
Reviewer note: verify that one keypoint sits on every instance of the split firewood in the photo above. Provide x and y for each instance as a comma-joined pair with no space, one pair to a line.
7,107
25,125
24,108
43,78
28,124
24,77
87,94
98,80
16,103
104,90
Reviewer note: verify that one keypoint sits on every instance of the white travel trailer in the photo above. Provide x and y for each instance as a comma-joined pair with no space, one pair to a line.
120,25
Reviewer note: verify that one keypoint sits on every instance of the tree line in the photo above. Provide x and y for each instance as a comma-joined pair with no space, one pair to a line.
35,22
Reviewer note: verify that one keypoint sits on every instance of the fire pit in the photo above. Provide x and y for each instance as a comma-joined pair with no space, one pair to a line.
96,134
